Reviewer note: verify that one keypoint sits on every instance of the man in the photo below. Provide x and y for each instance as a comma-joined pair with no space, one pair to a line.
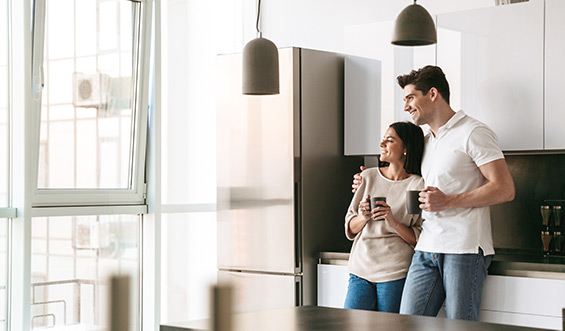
464,172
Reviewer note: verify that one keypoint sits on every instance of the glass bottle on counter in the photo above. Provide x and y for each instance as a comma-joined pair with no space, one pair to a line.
557,215
546,239
545,214
558,242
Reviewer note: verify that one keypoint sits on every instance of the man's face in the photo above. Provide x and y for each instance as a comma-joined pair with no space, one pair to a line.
417,104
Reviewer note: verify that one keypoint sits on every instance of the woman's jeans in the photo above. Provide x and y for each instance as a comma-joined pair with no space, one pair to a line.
456,279
363,294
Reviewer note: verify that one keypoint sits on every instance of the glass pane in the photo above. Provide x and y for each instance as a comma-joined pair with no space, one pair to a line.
189,266
87,95
72,261
3,271
4,134
189,102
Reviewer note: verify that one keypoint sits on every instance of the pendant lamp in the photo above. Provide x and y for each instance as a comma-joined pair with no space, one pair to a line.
260,64
414,27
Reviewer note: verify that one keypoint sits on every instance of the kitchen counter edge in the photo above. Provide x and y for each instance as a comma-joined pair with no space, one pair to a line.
503,264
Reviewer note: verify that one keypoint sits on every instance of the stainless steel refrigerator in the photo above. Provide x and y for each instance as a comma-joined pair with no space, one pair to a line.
283,182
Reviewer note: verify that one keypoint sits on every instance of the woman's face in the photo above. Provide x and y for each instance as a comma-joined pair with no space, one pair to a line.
392,148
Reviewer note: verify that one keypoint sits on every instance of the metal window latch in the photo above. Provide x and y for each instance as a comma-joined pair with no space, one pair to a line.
38,82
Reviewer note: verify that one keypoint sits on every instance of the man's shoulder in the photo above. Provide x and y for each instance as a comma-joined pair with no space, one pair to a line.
469,120
471,125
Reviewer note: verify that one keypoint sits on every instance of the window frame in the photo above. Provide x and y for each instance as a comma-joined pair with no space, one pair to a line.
135,194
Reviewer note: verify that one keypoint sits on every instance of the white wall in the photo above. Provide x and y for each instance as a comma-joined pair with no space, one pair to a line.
320,24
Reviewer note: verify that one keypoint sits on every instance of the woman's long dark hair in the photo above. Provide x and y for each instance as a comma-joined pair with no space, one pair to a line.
412,137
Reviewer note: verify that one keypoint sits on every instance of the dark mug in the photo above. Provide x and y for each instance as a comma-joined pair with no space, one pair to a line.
412,202
375,201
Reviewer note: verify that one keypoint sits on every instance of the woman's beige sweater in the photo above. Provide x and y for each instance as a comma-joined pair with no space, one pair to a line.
378,253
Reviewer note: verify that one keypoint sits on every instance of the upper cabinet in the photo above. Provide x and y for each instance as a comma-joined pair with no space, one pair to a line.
379,97
362,99
554,73
494,61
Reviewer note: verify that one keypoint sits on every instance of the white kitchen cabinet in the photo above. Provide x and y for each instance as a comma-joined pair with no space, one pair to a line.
373,41
531,302
554,73
522,301
493,59
332,285
362,97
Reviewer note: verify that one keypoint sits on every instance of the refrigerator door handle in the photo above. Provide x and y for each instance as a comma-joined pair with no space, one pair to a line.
297,229
298,291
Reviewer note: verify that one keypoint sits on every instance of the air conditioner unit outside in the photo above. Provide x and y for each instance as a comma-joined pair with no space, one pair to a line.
97,90
90,90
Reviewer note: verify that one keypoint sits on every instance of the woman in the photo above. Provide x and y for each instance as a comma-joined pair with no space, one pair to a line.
384,238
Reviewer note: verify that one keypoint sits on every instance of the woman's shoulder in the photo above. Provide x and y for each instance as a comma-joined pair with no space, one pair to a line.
370,172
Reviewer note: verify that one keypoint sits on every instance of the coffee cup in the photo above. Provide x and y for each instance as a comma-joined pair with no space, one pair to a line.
412,202
376,201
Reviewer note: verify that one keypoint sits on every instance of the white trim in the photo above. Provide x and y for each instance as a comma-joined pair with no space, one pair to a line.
151,226
37,57
19,278
88,210
8,212
45,198
134,194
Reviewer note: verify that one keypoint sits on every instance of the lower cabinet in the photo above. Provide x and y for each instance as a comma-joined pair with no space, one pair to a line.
530,302
332,285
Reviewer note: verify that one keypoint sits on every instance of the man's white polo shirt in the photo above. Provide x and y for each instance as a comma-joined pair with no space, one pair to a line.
450,163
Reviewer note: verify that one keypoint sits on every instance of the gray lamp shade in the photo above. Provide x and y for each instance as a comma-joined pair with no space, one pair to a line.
414,27
260,67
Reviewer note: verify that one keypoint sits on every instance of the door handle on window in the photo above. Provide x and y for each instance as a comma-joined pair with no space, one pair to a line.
38,83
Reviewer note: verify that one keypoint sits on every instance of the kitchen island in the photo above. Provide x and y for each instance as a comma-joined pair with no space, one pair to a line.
311,318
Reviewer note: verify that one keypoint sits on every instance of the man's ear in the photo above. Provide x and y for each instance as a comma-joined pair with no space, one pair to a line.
434,93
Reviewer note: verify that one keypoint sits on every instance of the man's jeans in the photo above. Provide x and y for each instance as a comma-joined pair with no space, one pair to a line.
456,279
366,295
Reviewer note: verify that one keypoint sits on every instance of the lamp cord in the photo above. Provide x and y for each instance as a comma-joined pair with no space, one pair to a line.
258,14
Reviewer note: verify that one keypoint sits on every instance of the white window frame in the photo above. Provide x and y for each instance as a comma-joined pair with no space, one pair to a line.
135,194
27,201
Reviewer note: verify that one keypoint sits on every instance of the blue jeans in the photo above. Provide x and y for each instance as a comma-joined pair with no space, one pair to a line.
365,295
456,279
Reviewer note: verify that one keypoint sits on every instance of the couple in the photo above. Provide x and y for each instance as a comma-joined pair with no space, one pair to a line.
411,265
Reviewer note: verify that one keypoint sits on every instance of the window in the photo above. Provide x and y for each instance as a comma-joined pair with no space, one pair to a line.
90,97
72,158
93,105
189,265
72,261
192,34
